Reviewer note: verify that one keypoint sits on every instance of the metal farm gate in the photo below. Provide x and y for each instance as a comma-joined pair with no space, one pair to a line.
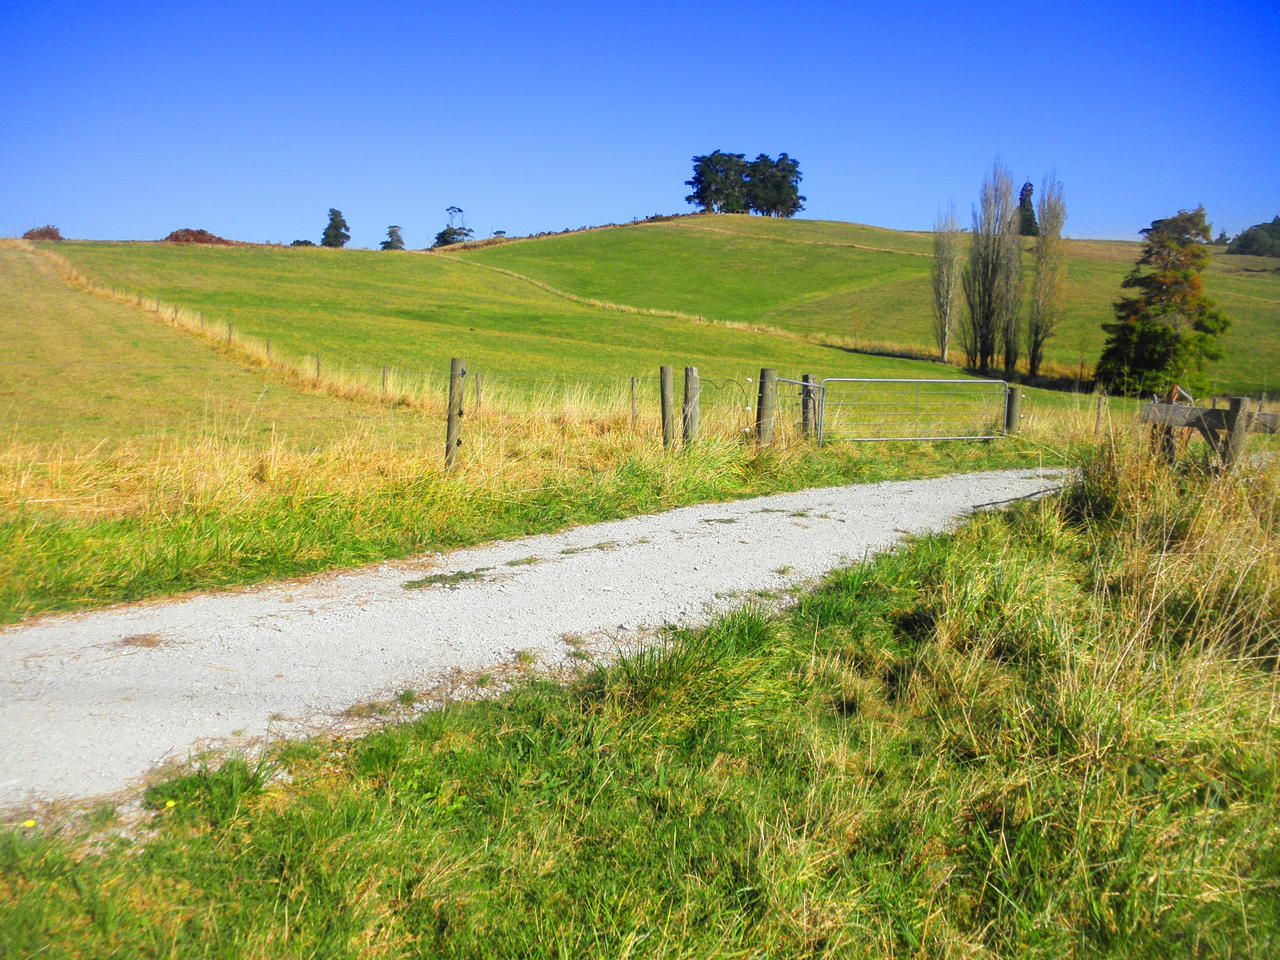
863,410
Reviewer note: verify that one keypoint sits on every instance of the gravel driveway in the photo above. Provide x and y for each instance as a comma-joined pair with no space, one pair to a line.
92,702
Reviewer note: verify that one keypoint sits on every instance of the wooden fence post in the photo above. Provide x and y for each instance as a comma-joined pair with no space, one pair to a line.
635,408
384,379
1012,411
806,406
453,430
479,392
317,368
228,331
1097,417
691,412
766,404
1237,431
268,350
668,408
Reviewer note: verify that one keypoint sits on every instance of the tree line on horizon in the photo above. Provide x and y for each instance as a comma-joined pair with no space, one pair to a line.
729,183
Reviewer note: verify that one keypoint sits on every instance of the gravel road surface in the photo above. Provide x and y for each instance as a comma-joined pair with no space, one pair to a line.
92,702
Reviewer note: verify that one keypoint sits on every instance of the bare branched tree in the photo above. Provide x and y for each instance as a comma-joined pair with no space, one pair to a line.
1047,294
946,279
993,278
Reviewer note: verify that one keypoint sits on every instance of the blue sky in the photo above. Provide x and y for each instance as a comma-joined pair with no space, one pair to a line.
127,120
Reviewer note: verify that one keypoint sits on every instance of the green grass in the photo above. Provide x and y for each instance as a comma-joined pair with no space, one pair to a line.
81,371
143,461
360,309
261,519
865,285
1049,734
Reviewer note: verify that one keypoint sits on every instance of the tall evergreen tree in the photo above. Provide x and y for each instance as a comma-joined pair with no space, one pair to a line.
394,241
1167,330
1027,225
335,233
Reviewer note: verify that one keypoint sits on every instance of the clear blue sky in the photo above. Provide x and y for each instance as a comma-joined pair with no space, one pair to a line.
127,120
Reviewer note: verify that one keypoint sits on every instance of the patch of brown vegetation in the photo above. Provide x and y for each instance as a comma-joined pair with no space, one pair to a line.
188,235
47,232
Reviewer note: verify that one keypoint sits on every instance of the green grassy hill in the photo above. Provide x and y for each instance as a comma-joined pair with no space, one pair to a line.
80,371
862,286
413,312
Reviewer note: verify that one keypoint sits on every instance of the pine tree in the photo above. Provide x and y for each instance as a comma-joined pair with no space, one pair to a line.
1167,330
335,234
1027,225
394,241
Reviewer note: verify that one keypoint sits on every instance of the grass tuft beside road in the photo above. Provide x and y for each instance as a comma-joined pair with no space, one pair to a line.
1051,733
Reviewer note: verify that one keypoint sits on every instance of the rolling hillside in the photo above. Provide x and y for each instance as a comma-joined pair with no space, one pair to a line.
411,311
862,286
80,371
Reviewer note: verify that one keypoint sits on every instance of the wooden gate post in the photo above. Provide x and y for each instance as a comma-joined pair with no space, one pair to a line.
453,429
691,412
668,408
1237,431
766,405
1012,410
806,406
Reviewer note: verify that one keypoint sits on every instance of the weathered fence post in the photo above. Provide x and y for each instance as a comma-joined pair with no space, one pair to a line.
228,331
1097,417
766,404
635,408
806,406
668,408
1012,410
384,379
691,412
317,368
1237,431
268,350
479,391
453,431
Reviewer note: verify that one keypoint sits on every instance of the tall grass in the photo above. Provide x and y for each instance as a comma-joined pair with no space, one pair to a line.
1051,733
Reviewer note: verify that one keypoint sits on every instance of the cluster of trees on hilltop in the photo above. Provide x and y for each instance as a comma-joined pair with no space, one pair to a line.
729,183
1260,240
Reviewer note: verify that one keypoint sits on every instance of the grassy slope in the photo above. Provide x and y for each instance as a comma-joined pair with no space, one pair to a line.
81,370
141,462
863,284
413,312
1056,752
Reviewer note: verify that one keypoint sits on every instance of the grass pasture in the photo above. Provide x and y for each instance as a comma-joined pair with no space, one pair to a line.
865,286
1052,733
144,460
361,310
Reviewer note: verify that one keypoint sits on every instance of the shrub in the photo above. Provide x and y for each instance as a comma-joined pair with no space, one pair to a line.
47,232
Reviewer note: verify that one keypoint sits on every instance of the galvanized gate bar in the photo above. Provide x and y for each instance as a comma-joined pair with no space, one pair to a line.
823,403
